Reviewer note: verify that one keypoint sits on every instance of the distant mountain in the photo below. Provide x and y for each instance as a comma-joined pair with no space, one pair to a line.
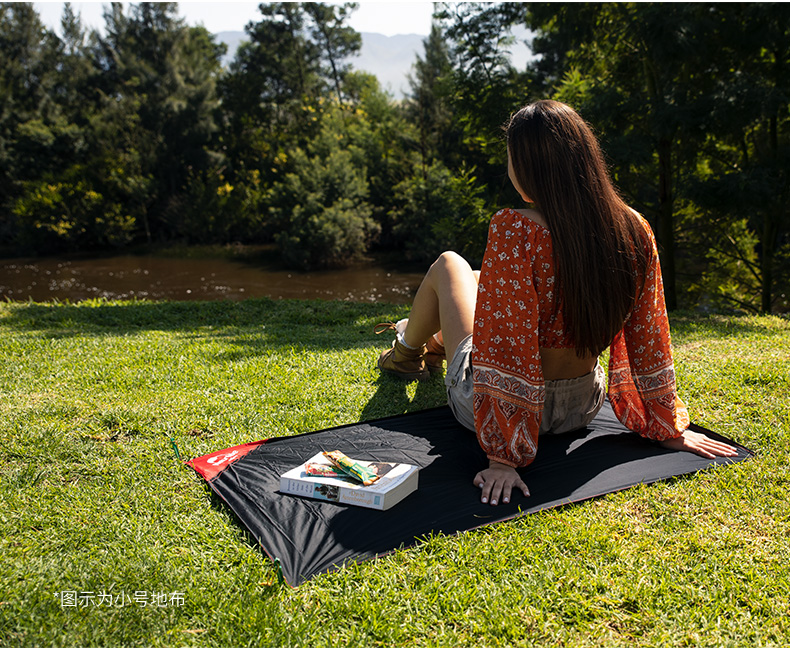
388,57
232,40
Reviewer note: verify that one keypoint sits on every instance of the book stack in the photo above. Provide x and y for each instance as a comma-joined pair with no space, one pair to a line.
319,478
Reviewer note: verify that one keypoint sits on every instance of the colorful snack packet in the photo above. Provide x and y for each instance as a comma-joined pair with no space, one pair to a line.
362,473
325,470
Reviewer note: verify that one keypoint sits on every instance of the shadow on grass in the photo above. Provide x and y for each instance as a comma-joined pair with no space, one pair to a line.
101,317
392,397
310,324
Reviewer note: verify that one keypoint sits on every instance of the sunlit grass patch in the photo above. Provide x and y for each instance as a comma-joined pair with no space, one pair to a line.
93,499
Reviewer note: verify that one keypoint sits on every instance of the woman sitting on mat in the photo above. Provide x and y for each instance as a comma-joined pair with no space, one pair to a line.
559,284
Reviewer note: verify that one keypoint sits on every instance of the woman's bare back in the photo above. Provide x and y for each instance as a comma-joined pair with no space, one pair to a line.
564,364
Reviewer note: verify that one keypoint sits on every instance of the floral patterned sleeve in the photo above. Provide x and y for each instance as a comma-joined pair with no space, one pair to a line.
507,374
642,387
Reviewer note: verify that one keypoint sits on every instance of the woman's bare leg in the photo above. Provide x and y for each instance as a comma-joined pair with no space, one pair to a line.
445,302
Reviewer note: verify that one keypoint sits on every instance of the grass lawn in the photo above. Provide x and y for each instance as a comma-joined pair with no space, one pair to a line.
94,502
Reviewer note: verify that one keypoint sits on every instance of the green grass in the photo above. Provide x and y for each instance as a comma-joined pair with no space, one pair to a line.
93,499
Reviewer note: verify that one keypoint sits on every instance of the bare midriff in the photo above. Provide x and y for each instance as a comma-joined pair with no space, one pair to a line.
564,364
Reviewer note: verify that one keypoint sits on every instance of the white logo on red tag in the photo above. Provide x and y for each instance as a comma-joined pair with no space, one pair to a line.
223,458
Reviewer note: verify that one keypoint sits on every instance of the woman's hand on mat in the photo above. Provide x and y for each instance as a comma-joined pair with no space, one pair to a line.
498,482
700,444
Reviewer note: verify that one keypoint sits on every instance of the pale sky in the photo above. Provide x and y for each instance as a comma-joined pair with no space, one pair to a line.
388,18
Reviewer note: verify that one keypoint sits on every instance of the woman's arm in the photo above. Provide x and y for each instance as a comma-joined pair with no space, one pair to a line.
507,374
642,387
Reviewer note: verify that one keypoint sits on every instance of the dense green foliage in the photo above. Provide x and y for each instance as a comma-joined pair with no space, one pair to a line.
138,134
94,500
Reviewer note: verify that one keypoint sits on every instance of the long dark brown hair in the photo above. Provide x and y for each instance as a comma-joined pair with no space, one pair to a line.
601,248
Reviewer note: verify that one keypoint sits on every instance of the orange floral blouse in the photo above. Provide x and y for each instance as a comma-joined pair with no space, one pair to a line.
515,316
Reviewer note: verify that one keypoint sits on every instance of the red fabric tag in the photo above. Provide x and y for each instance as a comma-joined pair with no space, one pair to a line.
211,465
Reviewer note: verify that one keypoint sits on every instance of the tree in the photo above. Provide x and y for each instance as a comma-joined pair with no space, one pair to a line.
384,134
693,96
486,87
276,73
320,207
28,112
336,41
446,210
158,105
429,104
74,73
743,189
277,92
643,73
44,85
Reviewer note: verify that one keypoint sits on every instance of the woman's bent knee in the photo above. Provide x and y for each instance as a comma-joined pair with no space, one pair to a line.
450,261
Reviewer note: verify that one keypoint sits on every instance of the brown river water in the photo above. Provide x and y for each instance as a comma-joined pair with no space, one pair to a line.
162,278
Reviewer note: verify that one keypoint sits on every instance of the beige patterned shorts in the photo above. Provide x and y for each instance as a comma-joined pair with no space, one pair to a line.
569,404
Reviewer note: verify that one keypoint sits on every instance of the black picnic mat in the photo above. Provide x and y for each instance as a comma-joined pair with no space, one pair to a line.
310,537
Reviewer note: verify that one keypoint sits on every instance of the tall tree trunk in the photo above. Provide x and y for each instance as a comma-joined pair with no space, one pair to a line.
666,225
770,220
767,245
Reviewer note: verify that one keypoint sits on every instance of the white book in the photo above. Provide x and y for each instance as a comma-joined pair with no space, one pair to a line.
396,481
